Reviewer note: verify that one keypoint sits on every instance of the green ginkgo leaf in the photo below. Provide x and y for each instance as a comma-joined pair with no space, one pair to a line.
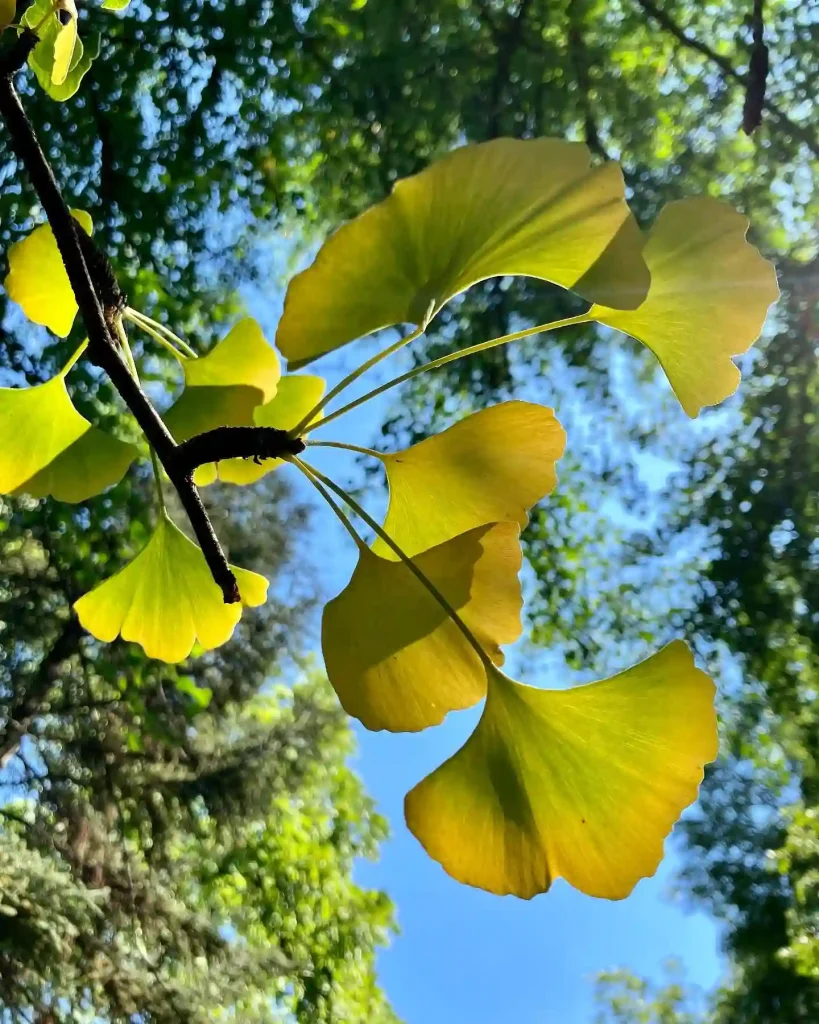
395,658
58,44
50,449
37,279
223,387
65,42
115,5
582,784
533,208
166,600
8,8
709,296
491,467
296,396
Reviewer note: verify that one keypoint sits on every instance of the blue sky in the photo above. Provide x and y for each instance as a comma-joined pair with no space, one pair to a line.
464,955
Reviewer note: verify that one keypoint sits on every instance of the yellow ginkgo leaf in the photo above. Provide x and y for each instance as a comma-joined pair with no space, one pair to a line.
395,658
523,207
50,449
37,279
582,784
65,42
296,396
166,600
8,8
489,468
710,292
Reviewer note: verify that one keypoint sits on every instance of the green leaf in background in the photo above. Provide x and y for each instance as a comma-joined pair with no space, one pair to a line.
50,449
491,467
37,279
296,396
395,658
507,207
200,695
582,784
709,296
115,5
223,387
166,600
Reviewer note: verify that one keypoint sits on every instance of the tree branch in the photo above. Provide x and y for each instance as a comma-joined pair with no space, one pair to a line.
100,302
757,73
728,71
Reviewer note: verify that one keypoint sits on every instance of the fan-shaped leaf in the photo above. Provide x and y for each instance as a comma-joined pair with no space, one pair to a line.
395,658
8,8
37,279
50,449
165,599
582,784
490,467
296,396
710,292
65,42
533,208
48,59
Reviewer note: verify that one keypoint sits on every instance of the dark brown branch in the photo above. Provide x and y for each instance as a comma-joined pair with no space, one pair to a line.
235,443
579,57
757,73
728,71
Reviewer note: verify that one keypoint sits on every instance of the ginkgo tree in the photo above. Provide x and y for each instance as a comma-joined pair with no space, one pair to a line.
582,783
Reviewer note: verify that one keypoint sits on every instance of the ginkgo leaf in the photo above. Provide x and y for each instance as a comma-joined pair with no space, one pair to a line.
37,279
489,468
710,292
582,784
8,8
296,396
65,42
166,600
529,207
395,658
50,449
45,56
224,387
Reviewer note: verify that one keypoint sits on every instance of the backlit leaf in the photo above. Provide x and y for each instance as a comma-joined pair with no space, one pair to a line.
489,468
37,279
710,292
582,784
533,208
296,396
44,57
8,8
65,43
50,449
394,657
166,600
223,387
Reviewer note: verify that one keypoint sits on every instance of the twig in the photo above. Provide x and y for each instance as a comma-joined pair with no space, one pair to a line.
757,73
797,131
100,301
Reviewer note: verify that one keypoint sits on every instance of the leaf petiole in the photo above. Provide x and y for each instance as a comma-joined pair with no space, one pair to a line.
483,346
334,505
405,558
159,332
75,356
352,377
347,447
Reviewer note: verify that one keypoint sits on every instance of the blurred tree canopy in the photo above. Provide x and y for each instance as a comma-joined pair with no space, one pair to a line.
202,128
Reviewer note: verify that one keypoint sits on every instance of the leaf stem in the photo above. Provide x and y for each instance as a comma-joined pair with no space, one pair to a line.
144,321
346,447
334,505
483,346
405,558
76,355
169,346
352,377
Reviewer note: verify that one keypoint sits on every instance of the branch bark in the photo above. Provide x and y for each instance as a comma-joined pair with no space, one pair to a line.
100,301
728,71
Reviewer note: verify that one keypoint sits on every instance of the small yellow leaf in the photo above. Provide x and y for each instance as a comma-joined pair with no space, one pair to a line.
582,784
395,658
37,280
8,8
491,467
166,599
65,42
296,396
521,207
50,449
709,295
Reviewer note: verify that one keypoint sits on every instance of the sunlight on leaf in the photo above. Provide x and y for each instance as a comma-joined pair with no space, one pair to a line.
65,43
296,396
37,279
582,784
710,292
395,658
50,449
506,207
491,467
166,600
60,60
223,388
